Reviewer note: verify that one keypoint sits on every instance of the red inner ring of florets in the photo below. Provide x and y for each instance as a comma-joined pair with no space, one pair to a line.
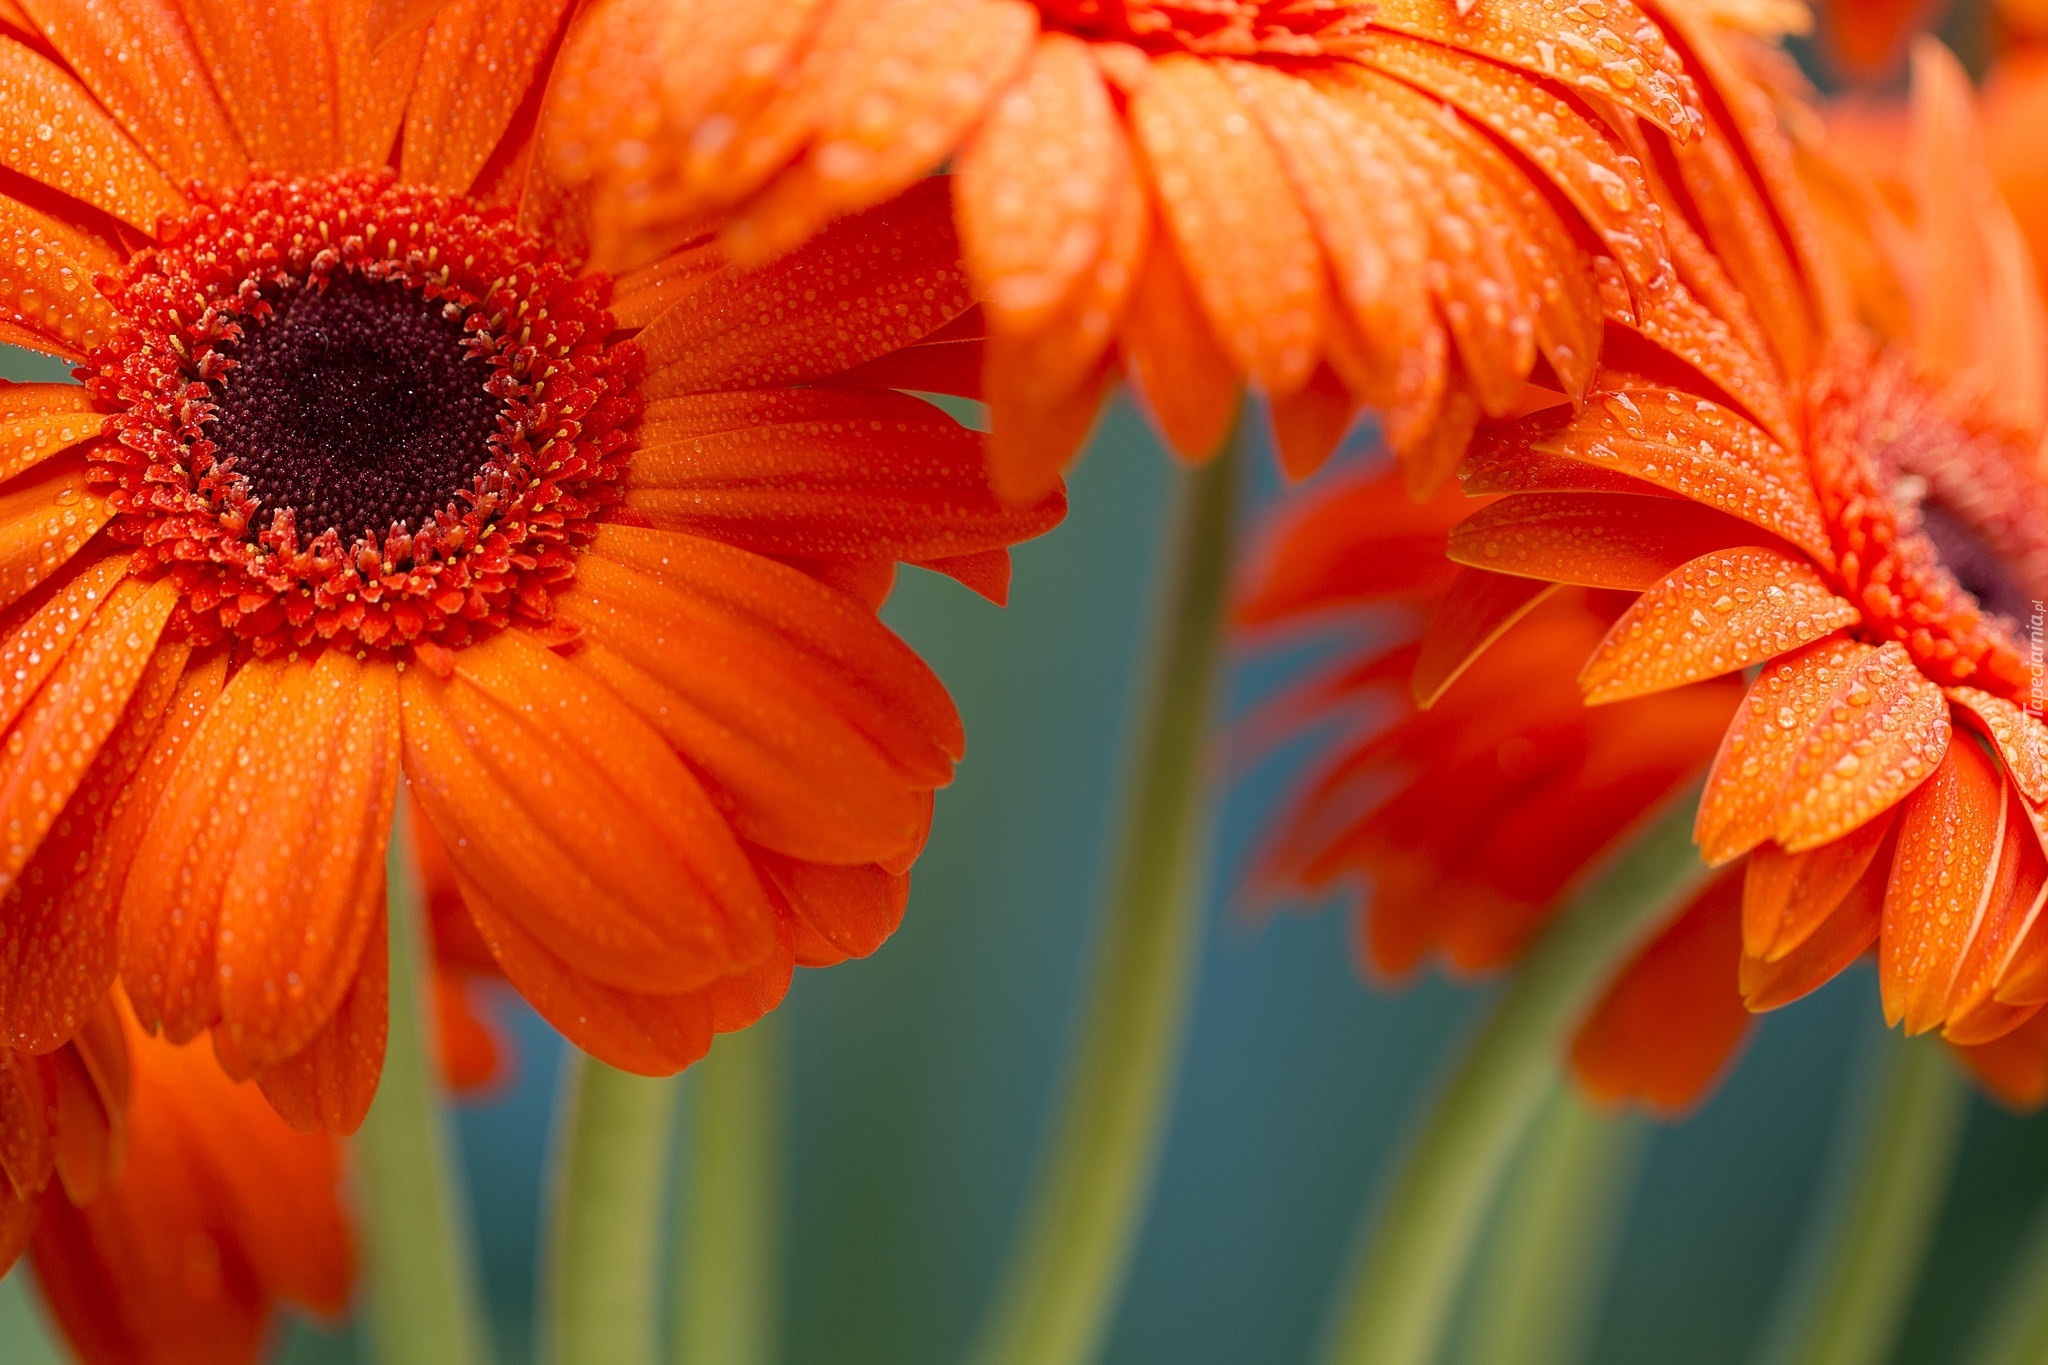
1940,527
537,336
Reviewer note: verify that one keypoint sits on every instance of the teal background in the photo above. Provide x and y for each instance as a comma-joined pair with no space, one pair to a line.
919,1080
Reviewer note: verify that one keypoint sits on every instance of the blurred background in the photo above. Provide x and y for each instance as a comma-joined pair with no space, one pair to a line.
918,1082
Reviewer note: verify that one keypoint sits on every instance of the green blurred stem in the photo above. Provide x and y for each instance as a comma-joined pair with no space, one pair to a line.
2016,1329
1395,1309
1554,1238
1894,1150
422,1286
1065,1272
604,1238
729,1205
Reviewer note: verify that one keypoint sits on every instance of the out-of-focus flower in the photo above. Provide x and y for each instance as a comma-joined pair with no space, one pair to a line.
370,475
1868,531
1468,821
1413,204
167,1209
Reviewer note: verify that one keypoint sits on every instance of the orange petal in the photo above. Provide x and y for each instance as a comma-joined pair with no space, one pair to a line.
1309,423
1476,611
28,1150
375,76
275,68
650,1035
1669,1024
854,909
864,287
1845,935
578,820
2021,738
806,473
1950,831
1599,540
2014,1067
327,1086
1719,613
1879,736
1787,896
1234,220
140,63
902,84
295,910
1181,371
48,295
1976,1014
481,58
88,157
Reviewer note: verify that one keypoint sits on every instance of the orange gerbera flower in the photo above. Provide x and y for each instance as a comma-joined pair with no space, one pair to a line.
1868,530
182,1210
1412,204
370,476
1471,818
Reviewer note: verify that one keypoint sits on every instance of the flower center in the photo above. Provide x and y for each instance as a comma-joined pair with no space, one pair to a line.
350,412
358,407
1940,524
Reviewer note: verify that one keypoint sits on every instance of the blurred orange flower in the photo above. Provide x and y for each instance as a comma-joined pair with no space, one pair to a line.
182,1209
371,476
1410,204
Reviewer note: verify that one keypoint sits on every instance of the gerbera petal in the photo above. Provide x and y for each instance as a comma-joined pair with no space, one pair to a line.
853,909
292,913
48,295
650,1035
43,524
1578,47
2013,1067
1597,540
882,685
573,816
1670,1023
1035,186
897,83
1950,830
27,1145
1183,374
815,473
862,288
1975,1014
1878,736
327,1085
31,431
1476,610
481,58
87,1150
375,70
1235,221
2021,738
1787,896
53,133
1716,614
1680,442
1679,327
275,68
139,61
1356,542
35,634
1844,936
61,935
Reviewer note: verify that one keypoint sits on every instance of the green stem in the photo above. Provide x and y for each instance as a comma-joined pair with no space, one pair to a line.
729,1206
1064,1274
422,1287
1555,1236
604,1243
1895,1147
1395,1309
2016,1329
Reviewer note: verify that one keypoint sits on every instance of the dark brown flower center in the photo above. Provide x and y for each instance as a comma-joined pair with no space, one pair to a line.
358,405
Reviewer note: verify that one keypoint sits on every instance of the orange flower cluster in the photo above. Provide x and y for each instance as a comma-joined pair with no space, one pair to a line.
1852,505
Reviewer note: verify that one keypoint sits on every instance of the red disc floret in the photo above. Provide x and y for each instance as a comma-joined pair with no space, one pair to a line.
500,548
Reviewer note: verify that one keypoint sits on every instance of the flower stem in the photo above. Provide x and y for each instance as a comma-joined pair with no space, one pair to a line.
1895,1147
604,1243
1395,1309
729,1206
1064,1273
1555,1236
422,1286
